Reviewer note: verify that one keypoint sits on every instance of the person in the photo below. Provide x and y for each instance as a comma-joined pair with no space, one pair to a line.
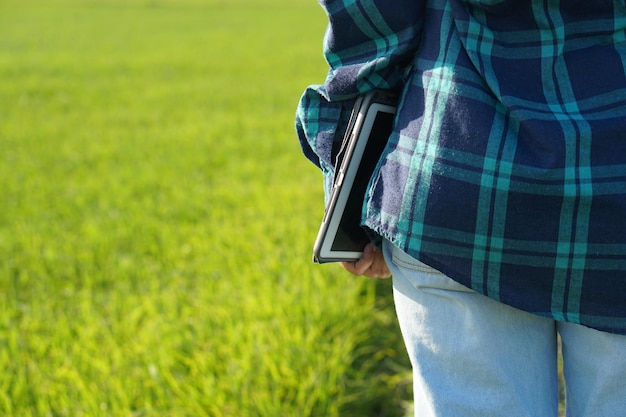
500,198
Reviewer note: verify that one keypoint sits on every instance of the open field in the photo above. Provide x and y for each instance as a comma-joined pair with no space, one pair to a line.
156,220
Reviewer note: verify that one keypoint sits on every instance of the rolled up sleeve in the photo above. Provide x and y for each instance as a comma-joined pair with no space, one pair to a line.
369,44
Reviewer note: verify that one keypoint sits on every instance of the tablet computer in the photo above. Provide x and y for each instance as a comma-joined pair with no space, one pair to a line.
341,237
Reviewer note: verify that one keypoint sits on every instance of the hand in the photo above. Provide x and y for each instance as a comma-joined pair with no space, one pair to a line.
372,264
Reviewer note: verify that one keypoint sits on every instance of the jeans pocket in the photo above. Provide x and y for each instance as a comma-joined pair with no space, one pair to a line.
404,260
422,275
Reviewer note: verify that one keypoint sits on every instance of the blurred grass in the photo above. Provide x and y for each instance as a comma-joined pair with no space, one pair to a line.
157,219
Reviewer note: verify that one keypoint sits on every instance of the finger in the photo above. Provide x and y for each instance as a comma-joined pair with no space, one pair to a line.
379,268
360,266
355,267
378,272
348,266
371,264
367,259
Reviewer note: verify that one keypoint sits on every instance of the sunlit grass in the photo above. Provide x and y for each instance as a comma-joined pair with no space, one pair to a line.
157,217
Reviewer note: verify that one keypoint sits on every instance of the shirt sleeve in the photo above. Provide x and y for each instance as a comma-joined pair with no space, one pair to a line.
369,44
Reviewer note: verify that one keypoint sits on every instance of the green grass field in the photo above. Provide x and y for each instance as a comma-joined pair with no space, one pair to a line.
156,220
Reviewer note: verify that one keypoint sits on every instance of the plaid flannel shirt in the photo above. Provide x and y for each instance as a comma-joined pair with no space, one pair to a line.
506,169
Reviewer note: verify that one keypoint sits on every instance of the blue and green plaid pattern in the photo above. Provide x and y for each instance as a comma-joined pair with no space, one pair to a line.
507,166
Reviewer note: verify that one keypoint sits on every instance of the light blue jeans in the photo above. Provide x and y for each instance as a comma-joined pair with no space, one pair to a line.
473,356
